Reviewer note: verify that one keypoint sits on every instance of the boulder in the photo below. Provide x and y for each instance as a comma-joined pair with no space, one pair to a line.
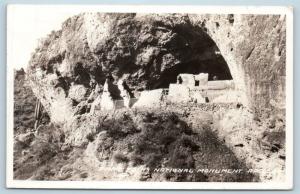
26,138
179,93
151,98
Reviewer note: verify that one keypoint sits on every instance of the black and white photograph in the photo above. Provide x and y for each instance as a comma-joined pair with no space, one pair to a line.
149,97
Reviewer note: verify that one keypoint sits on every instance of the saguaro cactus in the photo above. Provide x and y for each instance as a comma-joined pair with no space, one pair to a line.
37,113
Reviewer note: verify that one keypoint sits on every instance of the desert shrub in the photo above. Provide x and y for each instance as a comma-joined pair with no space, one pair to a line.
181,157
187,141
43,173
50,133
44,151
173,118
120,158
118,127
127,117
84,175
141,146
162,138
32,163
45,146
136,160
149,117
153,160
168,138
90,137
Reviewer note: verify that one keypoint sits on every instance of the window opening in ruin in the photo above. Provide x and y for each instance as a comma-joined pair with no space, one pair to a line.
179,80
197,83
206,99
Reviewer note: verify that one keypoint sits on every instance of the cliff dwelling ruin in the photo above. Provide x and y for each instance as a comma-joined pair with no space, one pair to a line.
189,88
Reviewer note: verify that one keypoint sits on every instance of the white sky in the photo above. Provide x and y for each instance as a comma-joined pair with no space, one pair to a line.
26,24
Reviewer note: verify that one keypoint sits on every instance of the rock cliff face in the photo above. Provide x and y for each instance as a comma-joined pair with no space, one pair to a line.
150,50
254,47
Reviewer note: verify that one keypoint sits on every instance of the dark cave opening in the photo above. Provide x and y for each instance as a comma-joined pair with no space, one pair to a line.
216,68
196,52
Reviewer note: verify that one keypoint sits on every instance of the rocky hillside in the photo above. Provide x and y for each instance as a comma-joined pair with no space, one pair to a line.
24,104
139,145
142,144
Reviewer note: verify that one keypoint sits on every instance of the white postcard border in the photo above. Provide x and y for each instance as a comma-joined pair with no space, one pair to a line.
288,184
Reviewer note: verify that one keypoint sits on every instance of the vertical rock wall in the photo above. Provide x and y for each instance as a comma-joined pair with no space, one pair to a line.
254,47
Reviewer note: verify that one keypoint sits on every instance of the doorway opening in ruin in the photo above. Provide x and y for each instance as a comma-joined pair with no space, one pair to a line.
179,80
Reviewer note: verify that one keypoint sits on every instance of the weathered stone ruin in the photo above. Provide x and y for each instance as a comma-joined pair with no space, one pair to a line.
108,97
189,88
114,96
191,80
124,93
150,98
197,89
